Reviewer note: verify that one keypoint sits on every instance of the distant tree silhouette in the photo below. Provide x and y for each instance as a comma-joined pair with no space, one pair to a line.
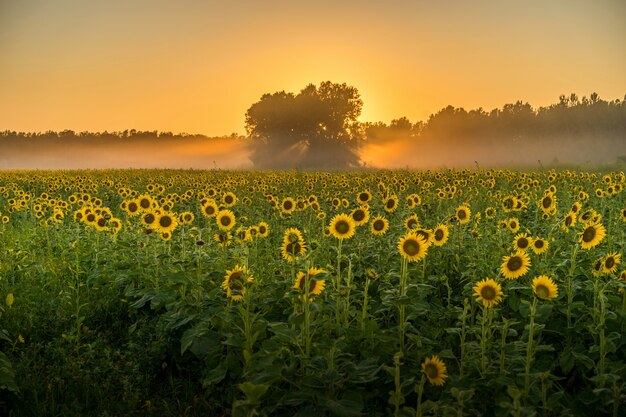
315,129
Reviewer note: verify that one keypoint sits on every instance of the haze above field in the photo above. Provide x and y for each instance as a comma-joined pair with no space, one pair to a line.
197,66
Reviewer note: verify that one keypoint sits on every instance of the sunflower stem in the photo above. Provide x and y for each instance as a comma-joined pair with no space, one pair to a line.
464,315
601,324
348,288
529,346
483,340
338,285
569,286
307,316
398,399
401,305
365,301
420,391
505,331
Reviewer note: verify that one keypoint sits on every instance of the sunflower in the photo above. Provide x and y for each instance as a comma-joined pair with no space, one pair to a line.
412,222
440,235
225,220
592,235
148,219
116,224
145,203
290,250
412,247
288,205
133,208
379,225
222,239
548,203
364,197
186,217
360,216
342,226
522,241
545,288
539,245
488,292
609,265
229,199
209,208
165,223
623,214
264,229
463,214
509,203
569,221
590,216
316,286
391,203
596,271
513,224
166,236
101,223
435,370
516,265
490,213
425,234
235,282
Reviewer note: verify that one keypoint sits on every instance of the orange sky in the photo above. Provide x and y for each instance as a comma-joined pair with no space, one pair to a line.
196,66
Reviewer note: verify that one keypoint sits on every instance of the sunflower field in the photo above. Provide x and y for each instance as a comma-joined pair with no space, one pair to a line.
368,293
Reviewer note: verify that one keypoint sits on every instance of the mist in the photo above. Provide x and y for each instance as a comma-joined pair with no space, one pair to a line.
401,153
219,153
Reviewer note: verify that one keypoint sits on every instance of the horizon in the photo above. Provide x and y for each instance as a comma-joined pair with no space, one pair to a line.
198,66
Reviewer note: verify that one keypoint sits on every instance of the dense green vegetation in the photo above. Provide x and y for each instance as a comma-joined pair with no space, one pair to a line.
137,292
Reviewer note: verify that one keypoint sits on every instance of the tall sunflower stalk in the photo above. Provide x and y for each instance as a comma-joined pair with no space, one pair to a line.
401,305
569,286
529,345
545,289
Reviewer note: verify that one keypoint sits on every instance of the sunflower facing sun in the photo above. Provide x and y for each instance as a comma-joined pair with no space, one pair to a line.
342,226
488,291
412,247
515,265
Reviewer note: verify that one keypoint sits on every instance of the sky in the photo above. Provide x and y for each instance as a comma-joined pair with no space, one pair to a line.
196,66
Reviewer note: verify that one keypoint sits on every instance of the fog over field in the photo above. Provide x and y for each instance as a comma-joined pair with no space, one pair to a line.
227,153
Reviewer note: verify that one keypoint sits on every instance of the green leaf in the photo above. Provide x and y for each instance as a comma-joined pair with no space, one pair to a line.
216,375
253,392
7,374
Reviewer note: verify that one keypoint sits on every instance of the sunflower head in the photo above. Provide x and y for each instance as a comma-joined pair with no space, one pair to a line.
342,226
610,262
235,282
360,215
463,214
515,265
522,241
225,220
539,245
435,370
545,288
440,235
488,292
315,283
379,225
412,247
592,235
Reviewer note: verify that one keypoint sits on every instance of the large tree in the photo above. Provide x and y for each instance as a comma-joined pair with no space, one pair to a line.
315,129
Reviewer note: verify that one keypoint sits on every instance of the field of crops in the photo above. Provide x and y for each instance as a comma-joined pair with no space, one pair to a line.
373,293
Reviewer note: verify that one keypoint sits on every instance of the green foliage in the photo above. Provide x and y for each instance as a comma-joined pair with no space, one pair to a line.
131,322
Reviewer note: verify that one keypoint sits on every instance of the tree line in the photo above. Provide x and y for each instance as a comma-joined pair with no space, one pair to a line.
318,128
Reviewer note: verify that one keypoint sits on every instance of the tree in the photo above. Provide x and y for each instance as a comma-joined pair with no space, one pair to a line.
315,129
